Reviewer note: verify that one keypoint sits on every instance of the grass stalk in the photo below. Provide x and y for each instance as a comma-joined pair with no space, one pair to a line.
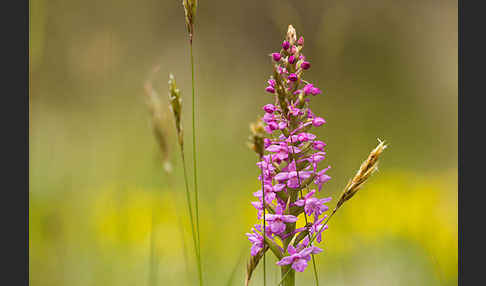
153,257
189,205
176,107
194,159
190,8
179,223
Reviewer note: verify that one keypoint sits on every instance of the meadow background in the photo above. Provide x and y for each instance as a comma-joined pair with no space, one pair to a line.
387,69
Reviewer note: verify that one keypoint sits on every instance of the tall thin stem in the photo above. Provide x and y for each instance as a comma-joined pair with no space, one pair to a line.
189,205
288,276
153,257
195,166
263,229
179,222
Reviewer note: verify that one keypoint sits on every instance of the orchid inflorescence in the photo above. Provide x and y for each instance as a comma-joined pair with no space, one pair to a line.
289,164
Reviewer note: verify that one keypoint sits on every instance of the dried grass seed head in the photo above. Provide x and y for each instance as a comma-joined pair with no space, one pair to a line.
175,106
158,122
367,168
190,7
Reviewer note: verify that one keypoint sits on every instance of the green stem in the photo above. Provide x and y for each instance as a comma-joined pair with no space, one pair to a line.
195,167
179,221
263,229
288,276
153,257
188,198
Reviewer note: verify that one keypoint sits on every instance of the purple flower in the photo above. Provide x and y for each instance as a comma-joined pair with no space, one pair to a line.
256,240
267,142
269,108
315,91
300,41
266,166
298,259
313,205
277,222
315,158
268,117
292,77
285,45
318,228
321,178
291,176
274,148
282,70
293,50
280,150
259,206
278,187
316,206
308,88
269,196
290,159
318,121
294,111
319,145
304,137
305,65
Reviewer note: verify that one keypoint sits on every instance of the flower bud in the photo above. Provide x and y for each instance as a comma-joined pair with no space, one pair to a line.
293,50
318,121
315,91
305,65
273,125
293,77
269,108
276,56
291,60
285,45
319,145
300,42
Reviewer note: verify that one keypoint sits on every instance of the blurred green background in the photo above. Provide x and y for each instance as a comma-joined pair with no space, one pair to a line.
388,69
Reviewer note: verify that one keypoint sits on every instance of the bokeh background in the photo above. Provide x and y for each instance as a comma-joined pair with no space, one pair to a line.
388,69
